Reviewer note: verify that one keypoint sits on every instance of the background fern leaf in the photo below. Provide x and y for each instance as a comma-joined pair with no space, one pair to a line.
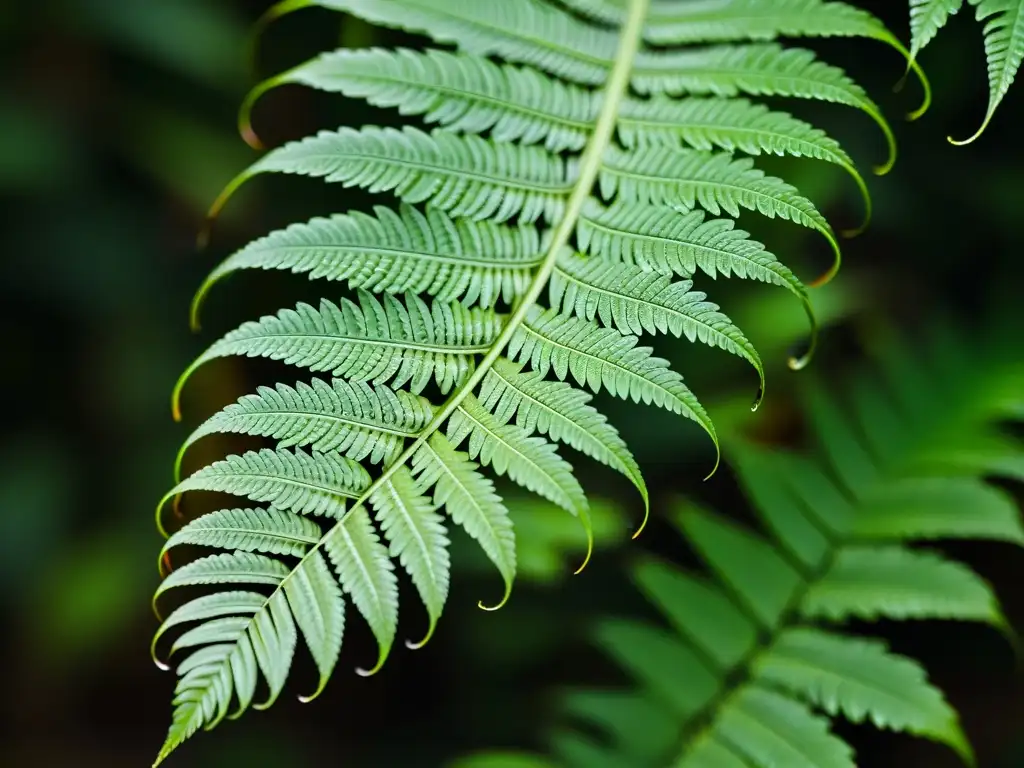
860,679
893,582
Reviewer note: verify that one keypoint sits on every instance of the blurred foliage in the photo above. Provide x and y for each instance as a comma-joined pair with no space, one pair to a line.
855,530
116,131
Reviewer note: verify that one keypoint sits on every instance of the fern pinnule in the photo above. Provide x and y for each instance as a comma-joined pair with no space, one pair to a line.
561,206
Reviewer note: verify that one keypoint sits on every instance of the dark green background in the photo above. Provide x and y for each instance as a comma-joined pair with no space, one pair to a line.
116,131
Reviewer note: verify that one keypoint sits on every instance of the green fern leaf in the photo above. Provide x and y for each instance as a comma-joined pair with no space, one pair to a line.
660,239
309,484
602,357
408,251
772,729
470,501
758,69
637,301
933,507
315,600
560,411
872,582
271,531
716,182
532,462
374,341
366,574
469,278
468,94
356,419
1004,50
226,568
524,31
417,539
927,17
860,679
462,175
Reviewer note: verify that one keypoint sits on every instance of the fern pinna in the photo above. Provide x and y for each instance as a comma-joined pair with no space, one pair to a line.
751,659
1004,42
563,205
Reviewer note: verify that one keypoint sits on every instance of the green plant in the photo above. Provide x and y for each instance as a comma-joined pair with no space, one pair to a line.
752,658
586,186
1004,41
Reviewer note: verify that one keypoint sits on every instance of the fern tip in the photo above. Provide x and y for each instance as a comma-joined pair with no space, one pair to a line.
430,633
499,606
315,694
976,135
647,515
718,462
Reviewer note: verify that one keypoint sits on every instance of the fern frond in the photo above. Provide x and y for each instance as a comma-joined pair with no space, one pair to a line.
417,539
355,419
927,17
464,93
309,484
746,655
1004,51
470,307
470,501
374,340
717,182
398,252
636,301
270,531
758,69
602,357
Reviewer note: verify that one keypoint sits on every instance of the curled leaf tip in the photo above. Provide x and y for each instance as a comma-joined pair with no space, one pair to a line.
643,523
758,398
430,633
868,205
718,461
837,263
164,565
590,552
315,694
971,139
362,672
499,606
